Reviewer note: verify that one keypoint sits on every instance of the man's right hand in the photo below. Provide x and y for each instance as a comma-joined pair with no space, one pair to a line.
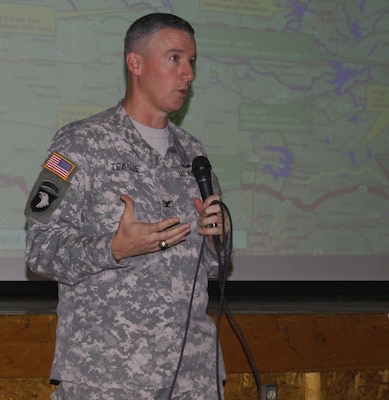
134,237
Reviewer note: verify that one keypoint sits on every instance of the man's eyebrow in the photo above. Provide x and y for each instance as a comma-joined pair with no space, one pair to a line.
180,51
175,51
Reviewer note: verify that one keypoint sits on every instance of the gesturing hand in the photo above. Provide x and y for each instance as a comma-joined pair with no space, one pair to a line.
134,237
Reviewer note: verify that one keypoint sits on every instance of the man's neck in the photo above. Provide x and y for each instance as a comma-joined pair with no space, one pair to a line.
144,115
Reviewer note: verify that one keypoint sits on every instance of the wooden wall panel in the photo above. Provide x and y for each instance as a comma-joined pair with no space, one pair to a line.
309,342
279,343
339,385
26,345
309,357
25,389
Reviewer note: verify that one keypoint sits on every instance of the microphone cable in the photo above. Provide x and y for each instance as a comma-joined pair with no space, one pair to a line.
223,272
222,277
187,320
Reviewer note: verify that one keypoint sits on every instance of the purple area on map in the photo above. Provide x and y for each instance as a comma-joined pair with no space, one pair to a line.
255,137
369,153
362,4
285,163
299,10
342,76
353,118
356,30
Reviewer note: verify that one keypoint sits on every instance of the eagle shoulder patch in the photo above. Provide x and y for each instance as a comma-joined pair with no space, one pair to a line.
50,188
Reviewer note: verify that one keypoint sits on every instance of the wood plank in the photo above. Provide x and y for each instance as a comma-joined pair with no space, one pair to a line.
340,385
25,389
309,342
279,343
26,345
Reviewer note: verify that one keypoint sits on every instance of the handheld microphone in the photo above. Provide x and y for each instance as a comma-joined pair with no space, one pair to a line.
201,169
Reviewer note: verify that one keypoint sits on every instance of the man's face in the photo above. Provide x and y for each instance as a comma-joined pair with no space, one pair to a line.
166,70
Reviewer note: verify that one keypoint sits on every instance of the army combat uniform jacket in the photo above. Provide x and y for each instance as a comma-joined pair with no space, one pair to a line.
121,324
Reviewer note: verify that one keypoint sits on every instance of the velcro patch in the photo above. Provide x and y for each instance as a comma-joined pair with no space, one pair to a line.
60,166
50,188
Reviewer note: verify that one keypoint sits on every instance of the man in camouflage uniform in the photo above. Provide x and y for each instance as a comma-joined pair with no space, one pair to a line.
116,219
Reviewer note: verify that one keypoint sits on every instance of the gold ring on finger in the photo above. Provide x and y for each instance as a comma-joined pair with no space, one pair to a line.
163,245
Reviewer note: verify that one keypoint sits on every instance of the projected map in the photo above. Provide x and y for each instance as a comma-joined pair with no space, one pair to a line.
291,100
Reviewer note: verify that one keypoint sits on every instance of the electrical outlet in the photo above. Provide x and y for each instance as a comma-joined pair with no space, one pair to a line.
270,392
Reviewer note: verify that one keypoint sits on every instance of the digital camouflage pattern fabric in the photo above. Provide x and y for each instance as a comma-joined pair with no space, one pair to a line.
121,325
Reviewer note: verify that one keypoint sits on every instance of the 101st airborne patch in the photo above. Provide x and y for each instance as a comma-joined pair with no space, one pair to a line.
50,187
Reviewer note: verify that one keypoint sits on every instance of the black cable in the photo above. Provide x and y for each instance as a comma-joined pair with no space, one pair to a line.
187,321
223,271
222,275
234,325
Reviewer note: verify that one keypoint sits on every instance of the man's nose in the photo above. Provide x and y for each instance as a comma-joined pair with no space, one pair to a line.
188,72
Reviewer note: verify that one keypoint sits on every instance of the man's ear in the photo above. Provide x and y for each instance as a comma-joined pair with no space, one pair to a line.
133,61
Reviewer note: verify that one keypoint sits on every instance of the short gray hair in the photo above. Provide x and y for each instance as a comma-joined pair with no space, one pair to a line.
148,25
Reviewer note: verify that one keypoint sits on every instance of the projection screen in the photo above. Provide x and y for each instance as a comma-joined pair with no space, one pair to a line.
291,101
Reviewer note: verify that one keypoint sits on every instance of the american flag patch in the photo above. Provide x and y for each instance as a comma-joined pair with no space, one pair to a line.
59,165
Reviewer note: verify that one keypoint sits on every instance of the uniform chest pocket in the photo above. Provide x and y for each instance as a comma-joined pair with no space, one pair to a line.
177,188
138,185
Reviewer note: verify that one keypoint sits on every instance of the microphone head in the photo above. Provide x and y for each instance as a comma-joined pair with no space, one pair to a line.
201,168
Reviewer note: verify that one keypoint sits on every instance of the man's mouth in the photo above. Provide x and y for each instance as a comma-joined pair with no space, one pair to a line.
184,92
